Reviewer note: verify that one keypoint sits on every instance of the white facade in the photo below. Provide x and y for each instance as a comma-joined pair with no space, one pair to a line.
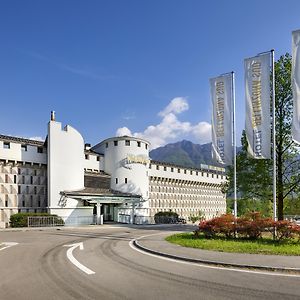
23,177
122,182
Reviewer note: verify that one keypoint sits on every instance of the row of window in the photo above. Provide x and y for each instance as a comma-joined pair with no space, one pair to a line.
22,190
125,180
6,145
6,202
37,181
127,143
185,171
88,157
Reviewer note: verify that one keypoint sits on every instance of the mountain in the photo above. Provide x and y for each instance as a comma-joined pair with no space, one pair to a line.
184,153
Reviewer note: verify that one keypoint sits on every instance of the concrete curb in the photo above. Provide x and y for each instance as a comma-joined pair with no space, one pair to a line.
216,263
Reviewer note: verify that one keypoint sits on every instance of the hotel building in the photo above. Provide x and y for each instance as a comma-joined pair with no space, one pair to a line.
114,180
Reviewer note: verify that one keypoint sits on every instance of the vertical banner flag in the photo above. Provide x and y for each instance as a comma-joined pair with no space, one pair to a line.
258,120
296,85
221,95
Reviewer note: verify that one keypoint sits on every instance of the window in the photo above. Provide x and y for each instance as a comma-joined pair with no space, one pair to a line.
150,166
23,203
207,175
23,179
39,203
178,170
116,180
115,143
6,178
196,173
157,167
27,189
39,149
6,145
35,190
106,145
165,168
172,169
24,147
125,180
98,158
19,189
139,144
127,143
146,146
6,200
35,172
15,178
19,171
191,172
86,156
31,179
184,171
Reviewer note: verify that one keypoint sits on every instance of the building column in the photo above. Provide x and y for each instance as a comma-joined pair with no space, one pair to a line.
132,213
99,216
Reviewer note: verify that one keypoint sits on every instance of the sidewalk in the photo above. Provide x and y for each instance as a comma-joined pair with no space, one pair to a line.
156,244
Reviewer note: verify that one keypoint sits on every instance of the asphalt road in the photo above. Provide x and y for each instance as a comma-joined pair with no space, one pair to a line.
38,268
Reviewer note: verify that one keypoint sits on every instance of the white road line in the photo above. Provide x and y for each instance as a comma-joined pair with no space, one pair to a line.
8,245
74,261
206,266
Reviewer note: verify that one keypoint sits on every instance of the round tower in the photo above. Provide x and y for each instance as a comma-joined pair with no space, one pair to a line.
126,159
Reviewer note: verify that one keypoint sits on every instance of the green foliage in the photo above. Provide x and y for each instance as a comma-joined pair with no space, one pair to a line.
198,217
265,245
166,217
20,219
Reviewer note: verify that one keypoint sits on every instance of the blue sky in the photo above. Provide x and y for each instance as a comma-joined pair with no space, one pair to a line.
115,66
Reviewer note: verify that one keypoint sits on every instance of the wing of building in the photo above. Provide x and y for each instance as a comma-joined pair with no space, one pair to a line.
114,180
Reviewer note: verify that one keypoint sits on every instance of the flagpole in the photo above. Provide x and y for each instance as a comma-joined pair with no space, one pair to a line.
274,136
234,141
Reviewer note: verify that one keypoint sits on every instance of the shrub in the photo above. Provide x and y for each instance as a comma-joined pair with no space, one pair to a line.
198,217
224,224
286,230
166,217
21,219
252,225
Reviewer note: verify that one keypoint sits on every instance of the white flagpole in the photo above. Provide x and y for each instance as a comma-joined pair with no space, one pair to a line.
234,141
274,137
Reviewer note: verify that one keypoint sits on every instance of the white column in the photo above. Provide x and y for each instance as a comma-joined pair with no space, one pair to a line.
132,213
99,217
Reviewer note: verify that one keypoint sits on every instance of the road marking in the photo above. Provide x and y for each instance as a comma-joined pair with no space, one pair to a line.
74,261
8,245
203,265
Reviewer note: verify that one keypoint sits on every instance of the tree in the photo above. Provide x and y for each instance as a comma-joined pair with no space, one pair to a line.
254,177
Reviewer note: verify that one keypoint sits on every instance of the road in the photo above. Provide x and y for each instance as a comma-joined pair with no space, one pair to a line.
38,267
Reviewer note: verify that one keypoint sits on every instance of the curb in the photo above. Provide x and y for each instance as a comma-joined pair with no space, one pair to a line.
216,263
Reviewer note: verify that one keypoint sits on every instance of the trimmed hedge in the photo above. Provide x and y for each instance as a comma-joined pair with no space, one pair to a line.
166,217
20,219
250,226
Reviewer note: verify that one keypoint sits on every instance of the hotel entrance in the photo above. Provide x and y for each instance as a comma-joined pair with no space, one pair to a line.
107,210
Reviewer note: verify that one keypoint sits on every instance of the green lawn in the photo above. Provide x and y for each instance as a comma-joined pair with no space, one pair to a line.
262,246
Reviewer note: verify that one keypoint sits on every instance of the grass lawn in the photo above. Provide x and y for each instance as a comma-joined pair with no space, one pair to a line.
261,246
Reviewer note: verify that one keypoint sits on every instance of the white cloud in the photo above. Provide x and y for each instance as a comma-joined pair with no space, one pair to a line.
123,131
176,106
170,128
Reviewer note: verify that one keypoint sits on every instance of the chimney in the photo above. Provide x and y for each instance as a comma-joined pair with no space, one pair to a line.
52,115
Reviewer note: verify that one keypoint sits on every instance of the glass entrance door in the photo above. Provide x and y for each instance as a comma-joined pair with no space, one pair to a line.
108,212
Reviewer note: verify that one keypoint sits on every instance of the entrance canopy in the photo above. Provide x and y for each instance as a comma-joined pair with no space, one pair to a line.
103,196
